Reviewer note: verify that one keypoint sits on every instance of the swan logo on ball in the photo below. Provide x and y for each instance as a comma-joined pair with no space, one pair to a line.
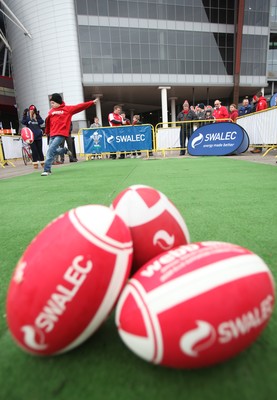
196,305
155,223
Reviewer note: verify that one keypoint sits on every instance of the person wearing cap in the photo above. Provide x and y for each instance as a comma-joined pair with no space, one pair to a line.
200,110
259,104
186,114
33,121
57,126
209,114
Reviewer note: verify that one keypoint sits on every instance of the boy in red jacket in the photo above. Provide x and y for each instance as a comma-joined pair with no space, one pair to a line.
57,125
259,104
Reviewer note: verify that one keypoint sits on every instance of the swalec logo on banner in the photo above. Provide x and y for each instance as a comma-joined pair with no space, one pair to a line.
218,139
113,139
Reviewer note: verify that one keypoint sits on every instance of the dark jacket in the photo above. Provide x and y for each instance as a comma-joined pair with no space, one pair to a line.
245,110
186,117
34,125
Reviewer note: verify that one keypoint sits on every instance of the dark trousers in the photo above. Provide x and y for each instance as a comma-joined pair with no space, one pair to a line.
37,153
70,146
185,133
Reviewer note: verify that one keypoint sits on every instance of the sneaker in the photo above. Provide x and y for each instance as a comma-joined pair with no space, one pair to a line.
46,173
255,151
57,162
138,156
133,156
69,153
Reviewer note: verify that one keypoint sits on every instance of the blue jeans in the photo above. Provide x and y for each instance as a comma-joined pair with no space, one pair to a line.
53,150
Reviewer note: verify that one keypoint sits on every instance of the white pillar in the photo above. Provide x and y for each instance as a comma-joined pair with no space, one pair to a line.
98,107
164,104
173,110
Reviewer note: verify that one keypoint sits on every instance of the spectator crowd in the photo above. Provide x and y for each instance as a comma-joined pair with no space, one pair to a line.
207,113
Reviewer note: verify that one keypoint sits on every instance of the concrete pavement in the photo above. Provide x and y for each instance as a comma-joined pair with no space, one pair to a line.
21,169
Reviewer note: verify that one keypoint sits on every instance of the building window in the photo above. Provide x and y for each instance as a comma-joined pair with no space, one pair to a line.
194,49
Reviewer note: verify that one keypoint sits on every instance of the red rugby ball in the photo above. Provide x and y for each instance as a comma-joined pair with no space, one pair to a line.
68,280
27,135
155,223
196,305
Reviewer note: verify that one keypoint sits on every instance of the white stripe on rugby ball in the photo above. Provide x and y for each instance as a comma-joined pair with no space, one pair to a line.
81,218
142,346
177,291
108,301
200,281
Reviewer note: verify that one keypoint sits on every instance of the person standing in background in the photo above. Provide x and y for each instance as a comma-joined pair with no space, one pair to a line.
115,119
136,121
33,120
220,112
125,120
200,111
233,112
209,114
259,104
187,114
245,108
96,124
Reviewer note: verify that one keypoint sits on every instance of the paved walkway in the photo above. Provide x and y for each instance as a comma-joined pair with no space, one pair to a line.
21,169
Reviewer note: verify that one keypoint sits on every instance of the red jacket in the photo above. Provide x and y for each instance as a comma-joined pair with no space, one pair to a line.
234,115
58,120
221,113
261,104
115,119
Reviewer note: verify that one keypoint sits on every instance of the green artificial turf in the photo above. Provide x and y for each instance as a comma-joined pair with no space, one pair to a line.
220,198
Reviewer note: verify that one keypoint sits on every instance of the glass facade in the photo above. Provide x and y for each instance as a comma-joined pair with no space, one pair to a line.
257,12
213,11
155,51
272,53
254,55
273,13
202,44
254,48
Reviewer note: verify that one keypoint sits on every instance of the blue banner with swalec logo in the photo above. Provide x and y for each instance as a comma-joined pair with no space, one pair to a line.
218,139
123,138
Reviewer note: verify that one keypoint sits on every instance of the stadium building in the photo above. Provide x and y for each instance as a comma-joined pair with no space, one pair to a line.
147,55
